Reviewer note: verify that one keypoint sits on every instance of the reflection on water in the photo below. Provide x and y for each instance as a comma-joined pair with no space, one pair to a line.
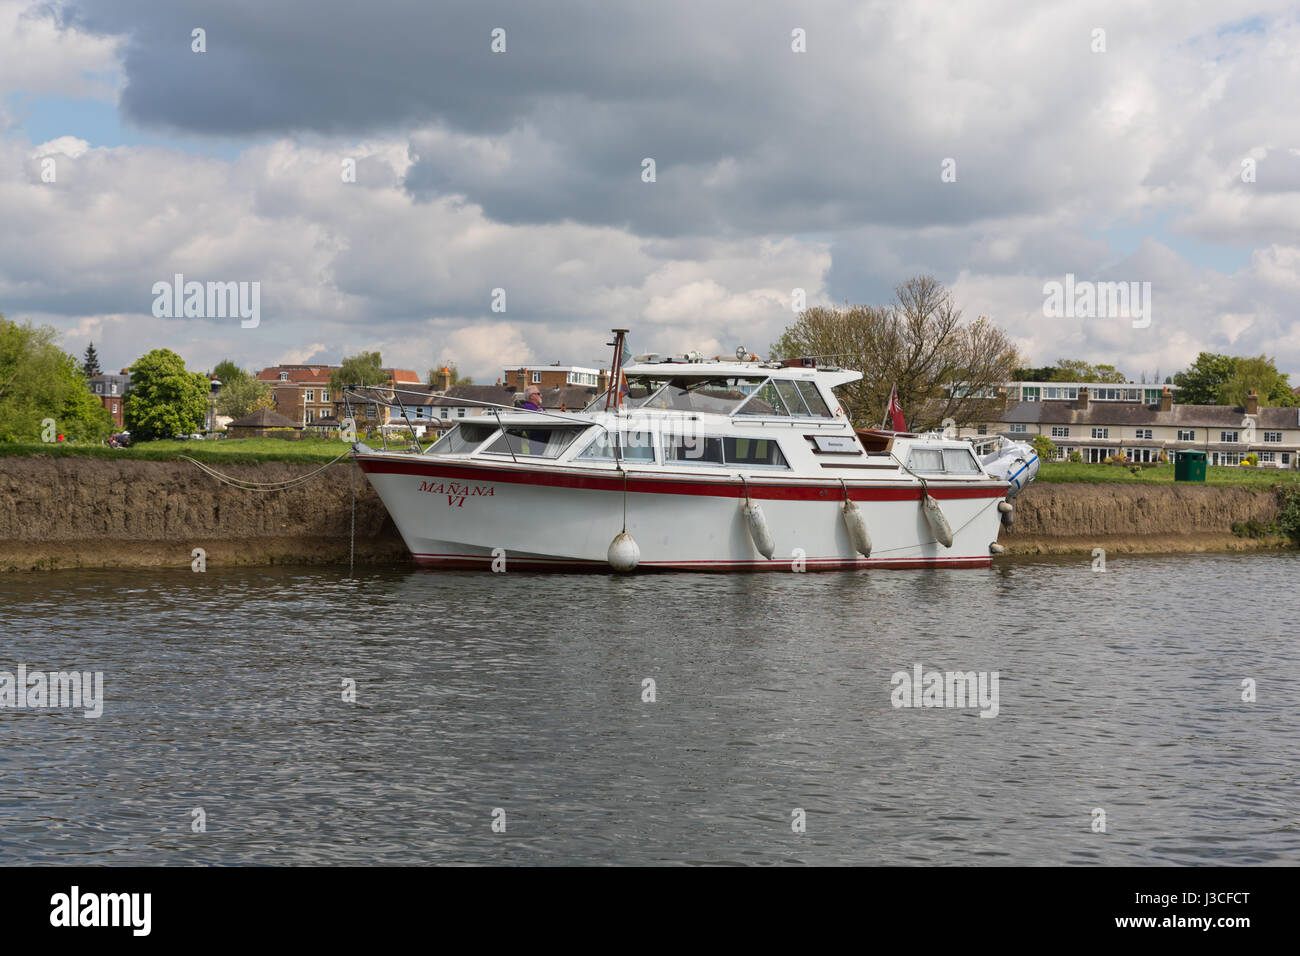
1119,691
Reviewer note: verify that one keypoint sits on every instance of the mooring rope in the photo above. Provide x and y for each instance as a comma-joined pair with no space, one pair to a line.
246,485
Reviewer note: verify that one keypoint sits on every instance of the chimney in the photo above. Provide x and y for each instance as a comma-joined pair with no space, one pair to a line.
1083,400
1252,403
602,382
1166,401
444,379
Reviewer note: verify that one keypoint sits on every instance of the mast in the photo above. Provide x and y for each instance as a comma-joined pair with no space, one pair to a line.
614,395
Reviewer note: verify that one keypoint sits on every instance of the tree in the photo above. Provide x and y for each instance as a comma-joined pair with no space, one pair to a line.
1044,447
456,377
918,343
39,381
1199,383
165,399
90,364
1070,370
364,368
226,371
1260,375
243,395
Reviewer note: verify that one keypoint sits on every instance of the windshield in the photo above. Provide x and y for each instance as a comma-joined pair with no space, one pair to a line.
719,394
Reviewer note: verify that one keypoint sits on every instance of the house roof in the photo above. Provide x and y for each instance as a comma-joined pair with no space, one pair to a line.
1132,413
495,394
263,418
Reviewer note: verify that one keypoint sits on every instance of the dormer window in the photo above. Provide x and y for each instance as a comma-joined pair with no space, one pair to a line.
284,376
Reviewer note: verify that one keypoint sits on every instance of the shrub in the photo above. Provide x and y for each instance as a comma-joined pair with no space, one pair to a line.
1076,457
1288,514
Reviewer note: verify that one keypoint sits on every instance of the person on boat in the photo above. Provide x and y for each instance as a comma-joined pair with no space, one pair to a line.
533,398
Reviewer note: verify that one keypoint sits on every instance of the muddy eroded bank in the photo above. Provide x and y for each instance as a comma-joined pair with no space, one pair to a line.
86,512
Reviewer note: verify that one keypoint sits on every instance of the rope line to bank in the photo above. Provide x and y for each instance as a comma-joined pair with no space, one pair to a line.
246,485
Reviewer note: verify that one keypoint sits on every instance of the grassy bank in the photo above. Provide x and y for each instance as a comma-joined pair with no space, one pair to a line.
238,451
1063,471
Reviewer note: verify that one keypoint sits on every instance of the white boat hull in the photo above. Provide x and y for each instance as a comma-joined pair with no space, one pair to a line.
460,514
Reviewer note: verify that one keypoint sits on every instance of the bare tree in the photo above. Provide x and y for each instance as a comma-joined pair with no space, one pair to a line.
944,368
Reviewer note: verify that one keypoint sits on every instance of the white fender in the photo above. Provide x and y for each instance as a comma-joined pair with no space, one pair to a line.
996,548
938,522
758,529
624,553
857,526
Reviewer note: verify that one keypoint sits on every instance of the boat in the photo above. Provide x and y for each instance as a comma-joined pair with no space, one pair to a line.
686,464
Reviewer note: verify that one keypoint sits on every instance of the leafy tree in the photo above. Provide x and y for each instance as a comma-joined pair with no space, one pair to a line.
1074,370
1199,383
918,343
243,395
1070,370
1258,374
227,371
364,368
1046,373
1044,447
456,377
165,399
38,380
90,364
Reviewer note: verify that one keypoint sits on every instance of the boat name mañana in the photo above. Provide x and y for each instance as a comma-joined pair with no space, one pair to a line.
457,493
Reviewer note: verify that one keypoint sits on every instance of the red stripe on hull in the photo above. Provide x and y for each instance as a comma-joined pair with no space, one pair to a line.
718,488
471,562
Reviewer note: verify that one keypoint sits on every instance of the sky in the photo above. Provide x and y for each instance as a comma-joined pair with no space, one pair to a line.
834,148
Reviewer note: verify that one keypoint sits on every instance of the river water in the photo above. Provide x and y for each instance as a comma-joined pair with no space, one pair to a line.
519,700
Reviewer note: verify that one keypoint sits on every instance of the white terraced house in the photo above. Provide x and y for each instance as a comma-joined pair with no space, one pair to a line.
1128,423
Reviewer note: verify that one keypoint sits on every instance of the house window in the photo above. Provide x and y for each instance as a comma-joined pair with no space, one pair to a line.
446,412
460,413
99,389
1268,456
311,395
1228,437
324,394
115,408
1101,433
114,387
1187,434
1286,458
1143,433
537,378
284,376
309,415
1018,429
982,430
1060,431
1273,436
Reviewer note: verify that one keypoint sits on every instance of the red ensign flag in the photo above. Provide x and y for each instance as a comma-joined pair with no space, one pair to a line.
894,416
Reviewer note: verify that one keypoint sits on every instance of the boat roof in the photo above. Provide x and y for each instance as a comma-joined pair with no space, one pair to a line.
829,376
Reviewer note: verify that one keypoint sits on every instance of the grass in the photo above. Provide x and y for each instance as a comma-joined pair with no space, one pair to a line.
235,451
1062,471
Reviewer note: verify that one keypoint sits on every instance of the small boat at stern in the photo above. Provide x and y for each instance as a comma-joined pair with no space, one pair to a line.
695,465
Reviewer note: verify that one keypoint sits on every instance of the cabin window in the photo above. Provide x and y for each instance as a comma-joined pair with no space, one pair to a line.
462,439
960,461
789,393
813,399
753,451
720,394
533,441
925,460
692,450
625,446
935,461
765,401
